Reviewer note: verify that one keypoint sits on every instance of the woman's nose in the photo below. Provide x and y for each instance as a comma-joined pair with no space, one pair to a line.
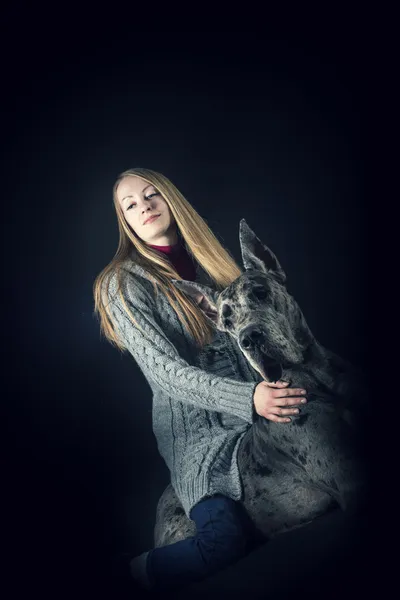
144,206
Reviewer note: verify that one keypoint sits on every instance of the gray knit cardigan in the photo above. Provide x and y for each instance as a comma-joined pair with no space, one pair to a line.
202,398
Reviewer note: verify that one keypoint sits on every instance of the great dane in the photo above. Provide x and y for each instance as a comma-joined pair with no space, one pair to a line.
297,471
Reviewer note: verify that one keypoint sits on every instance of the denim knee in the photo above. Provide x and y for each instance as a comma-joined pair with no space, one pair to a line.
219,541
221,537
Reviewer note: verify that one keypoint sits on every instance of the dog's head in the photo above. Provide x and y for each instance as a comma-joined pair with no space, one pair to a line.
257,310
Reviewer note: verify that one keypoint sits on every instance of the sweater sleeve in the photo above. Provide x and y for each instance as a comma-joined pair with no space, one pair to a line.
160,362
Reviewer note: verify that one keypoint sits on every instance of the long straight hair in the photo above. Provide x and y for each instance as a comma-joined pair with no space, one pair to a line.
200,243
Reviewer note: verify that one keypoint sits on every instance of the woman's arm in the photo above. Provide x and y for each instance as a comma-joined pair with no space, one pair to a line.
160,362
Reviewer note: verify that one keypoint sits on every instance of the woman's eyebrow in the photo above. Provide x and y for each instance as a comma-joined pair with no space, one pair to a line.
143,190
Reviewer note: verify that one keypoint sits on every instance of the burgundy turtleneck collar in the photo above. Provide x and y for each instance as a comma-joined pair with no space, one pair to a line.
169,249
180,259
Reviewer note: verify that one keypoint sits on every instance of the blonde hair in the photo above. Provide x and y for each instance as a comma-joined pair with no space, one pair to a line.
199,242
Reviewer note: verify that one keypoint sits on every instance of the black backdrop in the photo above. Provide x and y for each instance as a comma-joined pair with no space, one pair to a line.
269,129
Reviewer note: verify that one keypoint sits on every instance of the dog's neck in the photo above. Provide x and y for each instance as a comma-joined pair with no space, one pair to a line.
321,372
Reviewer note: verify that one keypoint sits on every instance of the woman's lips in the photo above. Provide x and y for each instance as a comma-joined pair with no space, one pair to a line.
152,219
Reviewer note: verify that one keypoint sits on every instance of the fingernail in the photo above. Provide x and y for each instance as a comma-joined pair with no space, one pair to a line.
303,400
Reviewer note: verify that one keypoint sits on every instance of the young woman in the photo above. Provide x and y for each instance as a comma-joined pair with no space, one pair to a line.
201,407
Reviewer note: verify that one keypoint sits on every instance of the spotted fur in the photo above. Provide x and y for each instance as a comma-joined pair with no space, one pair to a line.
291,473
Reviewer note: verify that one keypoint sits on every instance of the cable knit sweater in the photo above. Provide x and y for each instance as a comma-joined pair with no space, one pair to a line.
202,398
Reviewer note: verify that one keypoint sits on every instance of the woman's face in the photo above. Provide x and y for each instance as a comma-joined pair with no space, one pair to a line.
140,200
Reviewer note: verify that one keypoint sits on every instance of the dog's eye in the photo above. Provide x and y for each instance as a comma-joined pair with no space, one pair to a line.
227,323
226,310
260,293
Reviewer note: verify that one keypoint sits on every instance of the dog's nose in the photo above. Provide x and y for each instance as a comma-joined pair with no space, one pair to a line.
250,336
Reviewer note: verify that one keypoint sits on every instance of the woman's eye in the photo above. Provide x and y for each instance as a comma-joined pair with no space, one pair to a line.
146,197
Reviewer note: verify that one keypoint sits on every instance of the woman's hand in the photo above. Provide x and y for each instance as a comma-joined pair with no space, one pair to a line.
274,400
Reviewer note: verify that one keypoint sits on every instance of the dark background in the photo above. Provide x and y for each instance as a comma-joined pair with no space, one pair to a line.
270,128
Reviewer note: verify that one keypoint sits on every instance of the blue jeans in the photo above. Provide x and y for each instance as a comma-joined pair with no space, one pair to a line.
223,535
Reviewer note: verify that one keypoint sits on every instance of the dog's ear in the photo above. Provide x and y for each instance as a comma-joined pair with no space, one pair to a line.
256,255
204,296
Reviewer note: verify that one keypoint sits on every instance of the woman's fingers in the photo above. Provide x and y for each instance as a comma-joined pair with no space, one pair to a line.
281,412
272,417
280,415
283,393
277,384
281,402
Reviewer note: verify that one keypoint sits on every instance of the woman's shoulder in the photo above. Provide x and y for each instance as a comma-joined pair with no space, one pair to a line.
135,282
130,278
